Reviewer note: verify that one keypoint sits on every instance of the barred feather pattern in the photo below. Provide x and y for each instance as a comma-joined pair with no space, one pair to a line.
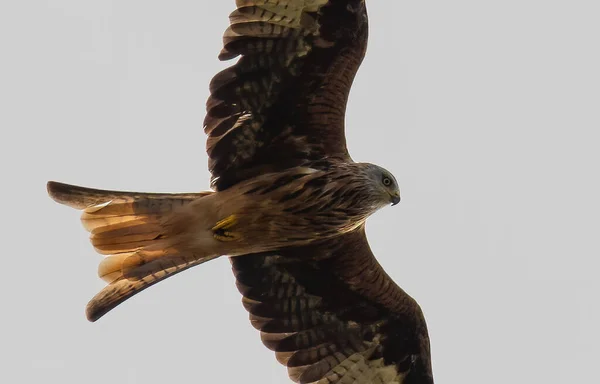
332,315
283,102
276,146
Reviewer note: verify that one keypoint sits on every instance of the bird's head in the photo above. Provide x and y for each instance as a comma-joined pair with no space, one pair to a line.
385,184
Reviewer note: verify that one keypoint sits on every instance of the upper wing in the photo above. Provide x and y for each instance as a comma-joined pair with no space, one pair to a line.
333,315
284,101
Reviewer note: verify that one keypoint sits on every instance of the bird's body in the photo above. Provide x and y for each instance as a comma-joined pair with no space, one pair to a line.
289,205
261,214
267,210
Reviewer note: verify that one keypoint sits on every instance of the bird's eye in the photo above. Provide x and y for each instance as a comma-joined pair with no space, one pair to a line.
387,181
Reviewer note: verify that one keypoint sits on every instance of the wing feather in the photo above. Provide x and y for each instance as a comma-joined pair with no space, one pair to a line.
332,314
283,103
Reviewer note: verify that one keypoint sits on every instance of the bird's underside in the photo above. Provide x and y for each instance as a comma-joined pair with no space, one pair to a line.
289,205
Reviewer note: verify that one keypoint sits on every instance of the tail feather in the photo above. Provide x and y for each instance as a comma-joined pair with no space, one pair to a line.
128,236
81,197
123,288
110,269
128,228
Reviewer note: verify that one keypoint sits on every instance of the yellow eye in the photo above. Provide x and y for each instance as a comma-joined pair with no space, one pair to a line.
387,181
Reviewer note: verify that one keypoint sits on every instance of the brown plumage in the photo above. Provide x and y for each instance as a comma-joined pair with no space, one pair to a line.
289,205
331,313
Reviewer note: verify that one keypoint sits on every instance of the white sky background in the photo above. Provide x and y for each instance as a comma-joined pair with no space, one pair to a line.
486,112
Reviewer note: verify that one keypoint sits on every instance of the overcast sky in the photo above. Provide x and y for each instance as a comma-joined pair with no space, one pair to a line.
487,112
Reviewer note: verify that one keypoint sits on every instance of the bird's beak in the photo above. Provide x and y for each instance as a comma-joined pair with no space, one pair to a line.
395,199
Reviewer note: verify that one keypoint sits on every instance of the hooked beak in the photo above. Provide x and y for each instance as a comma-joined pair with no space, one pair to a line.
395,199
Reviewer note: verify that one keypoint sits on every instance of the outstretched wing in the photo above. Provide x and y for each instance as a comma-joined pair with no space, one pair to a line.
332,314
283,103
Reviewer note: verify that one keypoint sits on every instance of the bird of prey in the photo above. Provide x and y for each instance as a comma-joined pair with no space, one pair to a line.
288,205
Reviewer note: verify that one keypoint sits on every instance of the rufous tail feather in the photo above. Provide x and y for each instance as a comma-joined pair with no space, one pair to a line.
127,228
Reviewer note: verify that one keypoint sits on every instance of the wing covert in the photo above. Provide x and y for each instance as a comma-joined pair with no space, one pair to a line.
332,315
283,103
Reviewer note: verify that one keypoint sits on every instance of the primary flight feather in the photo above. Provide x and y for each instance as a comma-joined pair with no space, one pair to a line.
288,204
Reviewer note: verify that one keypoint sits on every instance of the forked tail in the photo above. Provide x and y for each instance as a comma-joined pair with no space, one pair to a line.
127,228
